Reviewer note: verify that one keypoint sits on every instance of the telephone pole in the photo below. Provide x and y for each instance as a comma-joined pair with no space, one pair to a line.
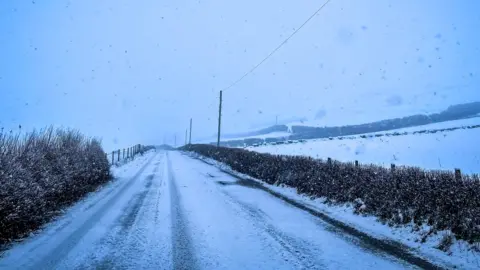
190,140
219,119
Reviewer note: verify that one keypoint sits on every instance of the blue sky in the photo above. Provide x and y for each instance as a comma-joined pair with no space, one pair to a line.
136,71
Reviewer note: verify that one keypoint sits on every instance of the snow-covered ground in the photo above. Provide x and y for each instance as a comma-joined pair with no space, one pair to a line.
168,211
109,228
237,227
460,254
448,124
263,136
443,150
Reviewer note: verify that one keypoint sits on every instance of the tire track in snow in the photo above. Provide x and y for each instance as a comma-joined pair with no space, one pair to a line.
182,251
297,248
129,238
61,251
380,247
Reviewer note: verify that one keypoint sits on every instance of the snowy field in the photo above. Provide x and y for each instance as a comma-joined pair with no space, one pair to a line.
441,150
263,136
277,134
449,124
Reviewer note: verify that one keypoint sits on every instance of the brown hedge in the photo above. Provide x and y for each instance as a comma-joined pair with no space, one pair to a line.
399,196
42,173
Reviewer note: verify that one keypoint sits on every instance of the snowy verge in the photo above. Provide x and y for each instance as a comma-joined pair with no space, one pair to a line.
460,254
72,216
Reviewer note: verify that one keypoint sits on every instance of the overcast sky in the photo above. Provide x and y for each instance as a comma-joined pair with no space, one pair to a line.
136,71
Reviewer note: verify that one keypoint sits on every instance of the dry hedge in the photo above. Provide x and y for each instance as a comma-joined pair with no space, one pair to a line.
399,196
42,173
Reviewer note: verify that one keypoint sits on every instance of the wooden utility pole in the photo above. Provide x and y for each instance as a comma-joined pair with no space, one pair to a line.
190,140
219,119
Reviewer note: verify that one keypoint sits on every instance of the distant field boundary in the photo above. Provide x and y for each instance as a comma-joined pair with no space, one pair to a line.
257,142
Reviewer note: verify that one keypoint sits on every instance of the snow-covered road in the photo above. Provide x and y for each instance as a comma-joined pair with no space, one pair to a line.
168,211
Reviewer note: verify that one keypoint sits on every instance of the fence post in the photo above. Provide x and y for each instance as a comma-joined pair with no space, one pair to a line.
356,163
458,174
113,157
123,154
118,159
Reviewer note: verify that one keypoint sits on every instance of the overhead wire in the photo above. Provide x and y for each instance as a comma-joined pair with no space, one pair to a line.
277,48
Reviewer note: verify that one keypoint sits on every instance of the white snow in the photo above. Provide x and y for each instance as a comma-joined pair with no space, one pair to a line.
65,242
461,256
277,134
166,210
263,136
448,124
236,227
443,150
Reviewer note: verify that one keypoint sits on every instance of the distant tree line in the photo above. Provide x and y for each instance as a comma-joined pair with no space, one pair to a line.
455,112
276,128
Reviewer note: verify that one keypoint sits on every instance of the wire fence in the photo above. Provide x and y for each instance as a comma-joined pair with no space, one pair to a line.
124,155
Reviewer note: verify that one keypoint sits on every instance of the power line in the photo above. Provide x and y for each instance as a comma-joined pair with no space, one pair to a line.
277,48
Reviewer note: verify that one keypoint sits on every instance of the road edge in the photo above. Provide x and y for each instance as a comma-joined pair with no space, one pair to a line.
389,246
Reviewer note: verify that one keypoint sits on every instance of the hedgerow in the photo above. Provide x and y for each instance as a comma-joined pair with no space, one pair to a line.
403,195
42,173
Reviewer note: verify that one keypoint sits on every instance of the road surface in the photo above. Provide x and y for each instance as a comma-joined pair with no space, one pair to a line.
166,210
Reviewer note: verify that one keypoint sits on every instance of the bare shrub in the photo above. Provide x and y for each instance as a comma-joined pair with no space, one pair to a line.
43,172
446,242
